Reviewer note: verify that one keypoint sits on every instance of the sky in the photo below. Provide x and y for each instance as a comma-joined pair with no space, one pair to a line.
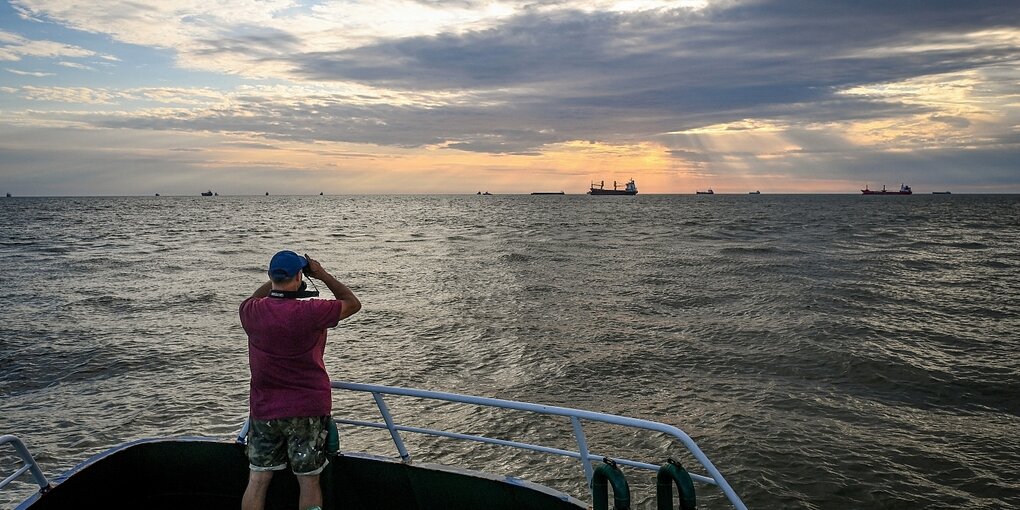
137,97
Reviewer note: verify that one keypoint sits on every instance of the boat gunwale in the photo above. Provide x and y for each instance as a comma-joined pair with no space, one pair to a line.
586,457
430,466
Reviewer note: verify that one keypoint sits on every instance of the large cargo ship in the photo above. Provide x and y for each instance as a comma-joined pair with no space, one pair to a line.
629,189
904,190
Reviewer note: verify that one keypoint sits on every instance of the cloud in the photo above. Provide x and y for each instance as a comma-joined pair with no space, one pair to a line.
14,47
75,65
951,120
37,74
568,71
77,95
689,155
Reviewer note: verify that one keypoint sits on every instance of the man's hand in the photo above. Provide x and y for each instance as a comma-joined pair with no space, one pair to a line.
315,269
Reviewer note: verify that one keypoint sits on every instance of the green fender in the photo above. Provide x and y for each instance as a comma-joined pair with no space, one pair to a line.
672,472
332,438
609,474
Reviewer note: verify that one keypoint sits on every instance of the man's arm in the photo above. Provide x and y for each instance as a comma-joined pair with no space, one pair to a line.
349,303
263,291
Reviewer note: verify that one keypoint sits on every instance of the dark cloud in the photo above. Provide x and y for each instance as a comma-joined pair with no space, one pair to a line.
926,169
693,156
547,77
657,72
254,43
771,50
952,120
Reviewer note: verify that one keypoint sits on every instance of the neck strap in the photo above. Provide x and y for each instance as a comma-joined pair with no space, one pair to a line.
294,294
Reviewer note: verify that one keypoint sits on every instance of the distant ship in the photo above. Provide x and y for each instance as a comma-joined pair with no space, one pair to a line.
207,193
904,190
941,192
8,195
709,192
754,193
630,189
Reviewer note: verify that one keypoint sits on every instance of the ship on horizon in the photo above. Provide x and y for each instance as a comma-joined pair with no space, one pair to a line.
629,189
904,190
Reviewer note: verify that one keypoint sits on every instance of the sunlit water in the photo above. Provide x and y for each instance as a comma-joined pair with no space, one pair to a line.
824,351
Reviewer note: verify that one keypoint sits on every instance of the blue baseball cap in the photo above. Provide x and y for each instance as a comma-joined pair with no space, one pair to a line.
285,265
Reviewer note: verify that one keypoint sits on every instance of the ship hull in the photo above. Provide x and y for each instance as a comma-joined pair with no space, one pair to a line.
174,473
596,191
869,192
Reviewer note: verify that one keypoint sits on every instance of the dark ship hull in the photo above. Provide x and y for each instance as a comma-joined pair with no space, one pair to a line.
629,189
596,191
904,190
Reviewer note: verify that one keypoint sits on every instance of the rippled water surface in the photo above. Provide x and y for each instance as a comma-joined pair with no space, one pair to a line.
824,351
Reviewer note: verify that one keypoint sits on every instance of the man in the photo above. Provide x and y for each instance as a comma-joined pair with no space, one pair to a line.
290,400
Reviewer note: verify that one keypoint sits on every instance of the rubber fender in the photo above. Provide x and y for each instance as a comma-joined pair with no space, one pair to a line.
332,438
673,473
609,474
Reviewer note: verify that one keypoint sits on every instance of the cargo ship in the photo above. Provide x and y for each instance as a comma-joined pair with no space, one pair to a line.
629,189
904,190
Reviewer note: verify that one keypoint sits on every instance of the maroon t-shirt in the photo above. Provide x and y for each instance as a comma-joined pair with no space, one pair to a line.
286,340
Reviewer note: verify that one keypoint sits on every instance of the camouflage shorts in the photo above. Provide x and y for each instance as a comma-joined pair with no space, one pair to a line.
301,440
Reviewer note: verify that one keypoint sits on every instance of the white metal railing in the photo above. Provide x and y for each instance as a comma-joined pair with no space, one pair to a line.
29,464
575,415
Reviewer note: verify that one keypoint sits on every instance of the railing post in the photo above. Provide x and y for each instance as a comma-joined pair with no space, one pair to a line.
582,448
30,464
404,456
242,436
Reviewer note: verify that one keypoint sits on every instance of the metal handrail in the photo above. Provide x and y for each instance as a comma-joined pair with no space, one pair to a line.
576,415
30,464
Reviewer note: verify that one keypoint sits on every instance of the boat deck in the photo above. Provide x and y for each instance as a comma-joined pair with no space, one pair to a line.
211,474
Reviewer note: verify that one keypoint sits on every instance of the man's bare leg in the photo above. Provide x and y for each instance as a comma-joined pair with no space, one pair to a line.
311,492
255,495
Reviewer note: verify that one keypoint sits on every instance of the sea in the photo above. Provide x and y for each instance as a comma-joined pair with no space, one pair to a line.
824,351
